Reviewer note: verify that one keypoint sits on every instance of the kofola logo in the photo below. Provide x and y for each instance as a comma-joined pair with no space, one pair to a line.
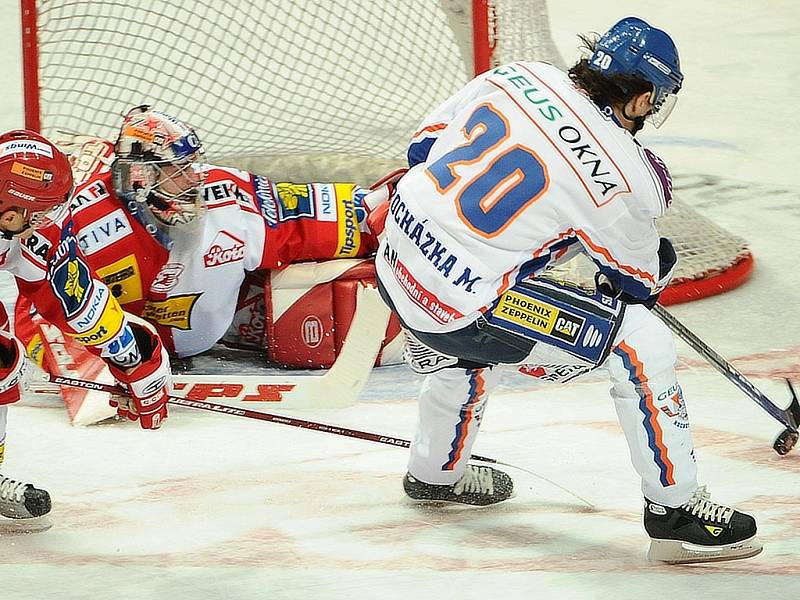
224,249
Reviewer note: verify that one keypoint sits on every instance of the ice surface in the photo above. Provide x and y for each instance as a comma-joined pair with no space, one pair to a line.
216,506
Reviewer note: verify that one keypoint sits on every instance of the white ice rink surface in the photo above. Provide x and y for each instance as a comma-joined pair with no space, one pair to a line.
219,507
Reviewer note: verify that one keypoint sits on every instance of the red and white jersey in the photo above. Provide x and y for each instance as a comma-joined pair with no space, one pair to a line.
188,284
516,172
51,272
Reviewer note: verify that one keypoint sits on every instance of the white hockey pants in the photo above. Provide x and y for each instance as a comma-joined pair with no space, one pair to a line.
646,394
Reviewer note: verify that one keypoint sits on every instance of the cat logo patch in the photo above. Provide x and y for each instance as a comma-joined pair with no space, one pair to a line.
567,327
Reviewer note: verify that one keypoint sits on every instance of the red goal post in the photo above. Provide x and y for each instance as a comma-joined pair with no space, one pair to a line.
303,89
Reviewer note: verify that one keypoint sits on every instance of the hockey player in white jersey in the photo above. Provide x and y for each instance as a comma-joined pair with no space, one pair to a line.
522,169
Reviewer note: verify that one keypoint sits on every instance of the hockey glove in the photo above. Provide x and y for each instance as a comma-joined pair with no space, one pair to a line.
149,383
12,367
667,259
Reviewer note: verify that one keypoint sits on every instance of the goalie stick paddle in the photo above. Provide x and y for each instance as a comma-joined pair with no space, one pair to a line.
337,388
789,417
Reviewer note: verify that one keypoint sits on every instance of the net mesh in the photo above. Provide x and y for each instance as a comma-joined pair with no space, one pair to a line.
268,79
300,90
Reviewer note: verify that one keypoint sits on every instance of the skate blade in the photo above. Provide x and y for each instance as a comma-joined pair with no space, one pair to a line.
681,553
453,504
23,526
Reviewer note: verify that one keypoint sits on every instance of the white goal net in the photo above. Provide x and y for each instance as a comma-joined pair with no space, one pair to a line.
297,89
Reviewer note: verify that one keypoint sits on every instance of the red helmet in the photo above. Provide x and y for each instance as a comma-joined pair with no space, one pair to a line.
34,174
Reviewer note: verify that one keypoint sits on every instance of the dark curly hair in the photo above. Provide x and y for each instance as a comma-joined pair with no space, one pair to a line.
612,90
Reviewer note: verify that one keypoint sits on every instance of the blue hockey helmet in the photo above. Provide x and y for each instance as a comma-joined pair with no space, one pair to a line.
633,47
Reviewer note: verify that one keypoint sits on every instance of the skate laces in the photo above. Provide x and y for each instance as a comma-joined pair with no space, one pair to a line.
701,506
475,479
12,490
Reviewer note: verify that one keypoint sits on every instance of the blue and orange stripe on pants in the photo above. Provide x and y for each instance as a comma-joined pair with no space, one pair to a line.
655,436
476,391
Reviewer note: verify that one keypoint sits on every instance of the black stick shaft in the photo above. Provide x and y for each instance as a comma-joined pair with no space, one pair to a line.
785,417
253,414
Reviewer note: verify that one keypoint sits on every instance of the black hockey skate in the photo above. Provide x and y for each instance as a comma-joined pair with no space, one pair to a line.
699,531
19,500
479,486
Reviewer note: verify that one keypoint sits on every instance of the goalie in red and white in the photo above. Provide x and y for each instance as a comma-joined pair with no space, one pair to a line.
175,239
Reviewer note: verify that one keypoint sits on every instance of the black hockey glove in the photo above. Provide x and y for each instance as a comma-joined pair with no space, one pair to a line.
667,259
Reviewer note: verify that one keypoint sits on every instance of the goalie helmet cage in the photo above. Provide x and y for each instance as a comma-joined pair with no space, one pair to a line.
303,89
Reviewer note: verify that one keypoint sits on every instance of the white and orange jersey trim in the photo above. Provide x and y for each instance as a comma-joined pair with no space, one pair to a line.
510,175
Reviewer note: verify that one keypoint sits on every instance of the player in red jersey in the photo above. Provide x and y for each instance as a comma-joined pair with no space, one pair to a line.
39,246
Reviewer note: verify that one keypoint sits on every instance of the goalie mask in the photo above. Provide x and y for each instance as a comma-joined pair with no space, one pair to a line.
155,171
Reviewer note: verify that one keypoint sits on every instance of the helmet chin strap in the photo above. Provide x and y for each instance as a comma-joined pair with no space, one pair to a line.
638,122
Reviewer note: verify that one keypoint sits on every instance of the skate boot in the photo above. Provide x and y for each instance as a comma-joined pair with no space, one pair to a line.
699,531
479,486
19,500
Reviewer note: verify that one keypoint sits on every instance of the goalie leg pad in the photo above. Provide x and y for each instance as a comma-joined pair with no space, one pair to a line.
310,307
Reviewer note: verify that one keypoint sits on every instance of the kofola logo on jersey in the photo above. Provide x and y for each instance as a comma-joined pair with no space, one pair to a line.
225,248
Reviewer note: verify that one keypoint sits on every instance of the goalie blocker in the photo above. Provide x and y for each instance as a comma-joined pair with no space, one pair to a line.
301,314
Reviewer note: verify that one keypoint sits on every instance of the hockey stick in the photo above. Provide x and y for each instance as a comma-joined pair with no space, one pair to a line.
789,417
303,424
339,387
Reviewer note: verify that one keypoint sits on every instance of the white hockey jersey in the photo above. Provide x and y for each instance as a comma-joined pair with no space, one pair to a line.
517,171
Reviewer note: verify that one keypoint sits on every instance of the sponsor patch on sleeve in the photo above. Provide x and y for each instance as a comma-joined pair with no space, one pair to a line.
349,241
325,201
123,279
71,281
265,196
295,201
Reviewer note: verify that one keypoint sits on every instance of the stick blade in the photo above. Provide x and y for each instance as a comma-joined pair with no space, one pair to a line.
785,442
